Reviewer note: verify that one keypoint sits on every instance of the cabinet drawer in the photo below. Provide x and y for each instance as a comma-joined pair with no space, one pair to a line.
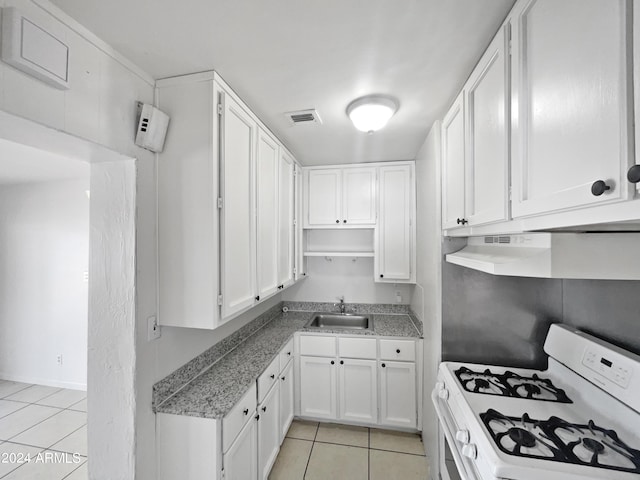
357,348
404,350
286,354
268,378
317,346
244,410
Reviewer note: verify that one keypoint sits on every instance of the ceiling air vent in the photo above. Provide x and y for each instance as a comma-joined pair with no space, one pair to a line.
304,117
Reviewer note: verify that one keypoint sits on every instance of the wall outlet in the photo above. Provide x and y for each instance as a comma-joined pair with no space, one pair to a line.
59,359
153,329
398,297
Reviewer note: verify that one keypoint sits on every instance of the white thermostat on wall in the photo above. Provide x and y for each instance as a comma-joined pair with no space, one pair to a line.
152,127
30,48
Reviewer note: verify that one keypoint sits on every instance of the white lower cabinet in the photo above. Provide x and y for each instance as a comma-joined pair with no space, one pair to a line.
318,387
286,400
244,444
358,390
397,408
366,389
268,431
241,460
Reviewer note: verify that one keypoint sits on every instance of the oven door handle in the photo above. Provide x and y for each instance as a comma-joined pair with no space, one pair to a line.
448,430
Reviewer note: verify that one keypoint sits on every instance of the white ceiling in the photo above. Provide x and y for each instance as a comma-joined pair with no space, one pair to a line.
21,164
284,55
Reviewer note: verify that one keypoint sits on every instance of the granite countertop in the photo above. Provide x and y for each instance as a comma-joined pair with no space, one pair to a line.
214,392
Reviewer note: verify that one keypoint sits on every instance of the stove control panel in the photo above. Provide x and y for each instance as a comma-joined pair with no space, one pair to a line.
607,366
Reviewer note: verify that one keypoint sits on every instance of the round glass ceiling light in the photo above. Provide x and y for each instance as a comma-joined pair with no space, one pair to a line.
372,112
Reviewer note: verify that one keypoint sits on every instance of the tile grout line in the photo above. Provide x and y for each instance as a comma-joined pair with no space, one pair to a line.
41,421
25,406
31,385
44,448
71,472
35,424
311,451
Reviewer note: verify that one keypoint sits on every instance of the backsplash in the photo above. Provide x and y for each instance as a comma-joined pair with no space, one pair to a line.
504,320
391,308
173,382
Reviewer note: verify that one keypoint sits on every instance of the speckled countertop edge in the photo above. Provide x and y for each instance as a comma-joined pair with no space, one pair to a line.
217,388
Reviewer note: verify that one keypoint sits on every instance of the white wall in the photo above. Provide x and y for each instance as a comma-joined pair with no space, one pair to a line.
44,252
329,280
427,299
100,106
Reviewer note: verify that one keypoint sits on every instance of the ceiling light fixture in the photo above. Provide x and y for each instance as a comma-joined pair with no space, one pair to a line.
372,112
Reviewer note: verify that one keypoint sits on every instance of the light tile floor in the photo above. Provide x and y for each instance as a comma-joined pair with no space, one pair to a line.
43,432
326,451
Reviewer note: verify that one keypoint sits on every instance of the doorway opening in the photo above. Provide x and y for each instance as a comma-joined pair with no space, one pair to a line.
67,303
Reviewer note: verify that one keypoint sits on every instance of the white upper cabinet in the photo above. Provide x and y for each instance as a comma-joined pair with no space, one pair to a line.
299,267
286,237
267,164
226,206
237,219
453,145
571,103
475,144
340,197
187,211
358,196
323,199
487,152
395,245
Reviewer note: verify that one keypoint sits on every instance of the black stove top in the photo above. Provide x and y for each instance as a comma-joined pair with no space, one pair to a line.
558,440
510,384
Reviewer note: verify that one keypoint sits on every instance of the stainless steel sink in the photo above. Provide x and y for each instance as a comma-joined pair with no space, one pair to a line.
349,321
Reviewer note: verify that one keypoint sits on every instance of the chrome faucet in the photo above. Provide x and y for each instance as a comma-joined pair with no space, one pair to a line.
342,306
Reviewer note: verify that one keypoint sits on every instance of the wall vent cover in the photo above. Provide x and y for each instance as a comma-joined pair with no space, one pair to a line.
304,117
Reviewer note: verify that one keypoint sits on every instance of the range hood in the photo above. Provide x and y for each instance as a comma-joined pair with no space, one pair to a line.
604,256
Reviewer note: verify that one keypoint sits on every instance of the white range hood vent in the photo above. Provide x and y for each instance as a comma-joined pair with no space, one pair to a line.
604,256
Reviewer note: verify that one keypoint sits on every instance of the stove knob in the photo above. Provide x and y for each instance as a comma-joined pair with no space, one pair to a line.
444,394
462,436
470,451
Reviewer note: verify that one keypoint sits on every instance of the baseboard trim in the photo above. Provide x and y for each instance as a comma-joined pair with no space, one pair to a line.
43,381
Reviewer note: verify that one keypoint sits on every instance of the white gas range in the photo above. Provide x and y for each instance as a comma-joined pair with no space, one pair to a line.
577,420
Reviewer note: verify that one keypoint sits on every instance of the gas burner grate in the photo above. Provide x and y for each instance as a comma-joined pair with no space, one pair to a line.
558,440
510,384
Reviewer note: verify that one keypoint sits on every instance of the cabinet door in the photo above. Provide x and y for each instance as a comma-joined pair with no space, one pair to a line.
398,394
267,158
570,99
395,242
298,248
187,182
237,219
268,432
285,219
241,460
358,390
487,153
358,196
453,165
286,400
323,203
318,387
